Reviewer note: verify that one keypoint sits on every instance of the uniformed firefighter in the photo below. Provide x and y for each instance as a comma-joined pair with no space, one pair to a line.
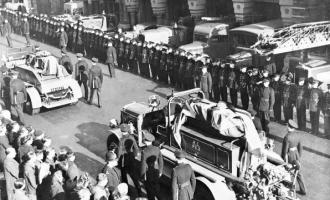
182,68
74,37
163,75
183,179
174,76
315,105
121,53
151,166
18,96
69,30
266,103
292,150
206,82
232,84
66,62
170,64
127,54
215,78
63,40
301,103
144,66
188,76
156,62
111,60
81,72
326,112
276,85
254,88
197,74
91,43
95,81
85,40
288,99
243,87
7,33
223,74
133,58
139,50
80,47
26,31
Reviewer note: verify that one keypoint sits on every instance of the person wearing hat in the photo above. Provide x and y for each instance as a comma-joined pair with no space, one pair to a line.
183,179
205,83
18,96
79,45
266,103
121,192
174,76
99,191
277,86
112,172
26,31
326,112
132,62
11,170
315,105
66,62
182,66
243,87
232,84
301,103
18,192
156,55
288,99
144,60
111,60
292,150
63,40
7,33
188,76
25,147
127,54
151,165
121,53
81,70
95,81
38,141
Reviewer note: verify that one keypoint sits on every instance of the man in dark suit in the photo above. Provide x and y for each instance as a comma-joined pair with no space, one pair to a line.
81,71
315,105
266,103
63,39
7,33
18,96
66,62
292,150
112,172
26,31
111,59
206,82
151,155
183,179
95,81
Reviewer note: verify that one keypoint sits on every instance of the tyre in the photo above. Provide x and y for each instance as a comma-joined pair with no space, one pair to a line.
202,192
29,109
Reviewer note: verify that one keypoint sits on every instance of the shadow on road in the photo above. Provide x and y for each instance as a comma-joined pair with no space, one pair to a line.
93,136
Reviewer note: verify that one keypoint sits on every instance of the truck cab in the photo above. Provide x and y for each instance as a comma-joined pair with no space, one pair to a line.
211,39
217,153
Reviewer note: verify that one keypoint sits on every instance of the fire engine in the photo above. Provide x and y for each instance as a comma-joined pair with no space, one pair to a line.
221,143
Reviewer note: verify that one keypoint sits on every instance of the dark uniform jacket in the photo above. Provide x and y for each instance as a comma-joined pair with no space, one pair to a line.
292,142
146,154
63,39
114,177
18,93
183,182
315,99
232,83
121,146
223,77
267,99
26,28
111,55
288,95
206,82
95,77
301,100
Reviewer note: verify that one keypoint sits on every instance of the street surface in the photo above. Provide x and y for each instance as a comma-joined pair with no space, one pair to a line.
84,128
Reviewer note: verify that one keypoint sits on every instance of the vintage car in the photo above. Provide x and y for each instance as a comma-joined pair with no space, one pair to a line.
48,84
219,153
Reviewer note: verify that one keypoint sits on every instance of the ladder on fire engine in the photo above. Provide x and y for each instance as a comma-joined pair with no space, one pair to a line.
294,38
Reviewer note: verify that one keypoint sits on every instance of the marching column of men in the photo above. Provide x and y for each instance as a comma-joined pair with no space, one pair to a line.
181,69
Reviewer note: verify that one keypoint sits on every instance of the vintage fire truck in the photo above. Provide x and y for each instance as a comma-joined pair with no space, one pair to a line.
221,143
48,84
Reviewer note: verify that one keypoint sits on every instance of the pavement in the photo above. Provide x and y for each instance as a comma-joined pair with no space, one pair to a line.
84,128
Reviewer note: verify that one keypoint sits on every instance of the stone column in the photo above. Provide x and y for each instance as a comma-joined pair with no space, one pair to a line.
243,10
197,8
132,8
159,10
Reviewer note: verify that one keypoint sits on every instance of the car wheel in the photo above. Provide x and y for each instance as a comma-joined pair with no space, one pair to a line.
29,109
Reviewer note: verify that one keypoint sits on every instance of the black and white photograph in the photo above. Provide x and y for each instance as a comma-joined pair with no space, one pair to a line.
164,99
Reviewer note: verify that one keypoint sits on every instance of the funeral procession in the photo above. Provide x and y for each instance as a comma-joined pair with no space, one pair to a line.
164,99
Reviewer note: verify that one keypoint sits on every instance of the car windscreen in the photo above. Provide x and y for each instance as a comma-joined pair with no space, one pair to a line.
201,37
243,39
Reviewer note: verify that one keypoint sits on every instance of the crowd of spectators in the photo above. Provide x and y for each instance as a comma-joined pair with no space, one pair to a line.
34,170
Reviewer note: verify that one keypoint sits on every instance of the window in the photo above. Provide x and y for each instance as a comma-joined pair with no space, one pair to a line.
201,37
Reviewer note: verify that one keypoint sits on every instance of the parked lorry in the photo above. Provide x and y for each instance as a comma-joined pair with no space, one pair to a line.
220,152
